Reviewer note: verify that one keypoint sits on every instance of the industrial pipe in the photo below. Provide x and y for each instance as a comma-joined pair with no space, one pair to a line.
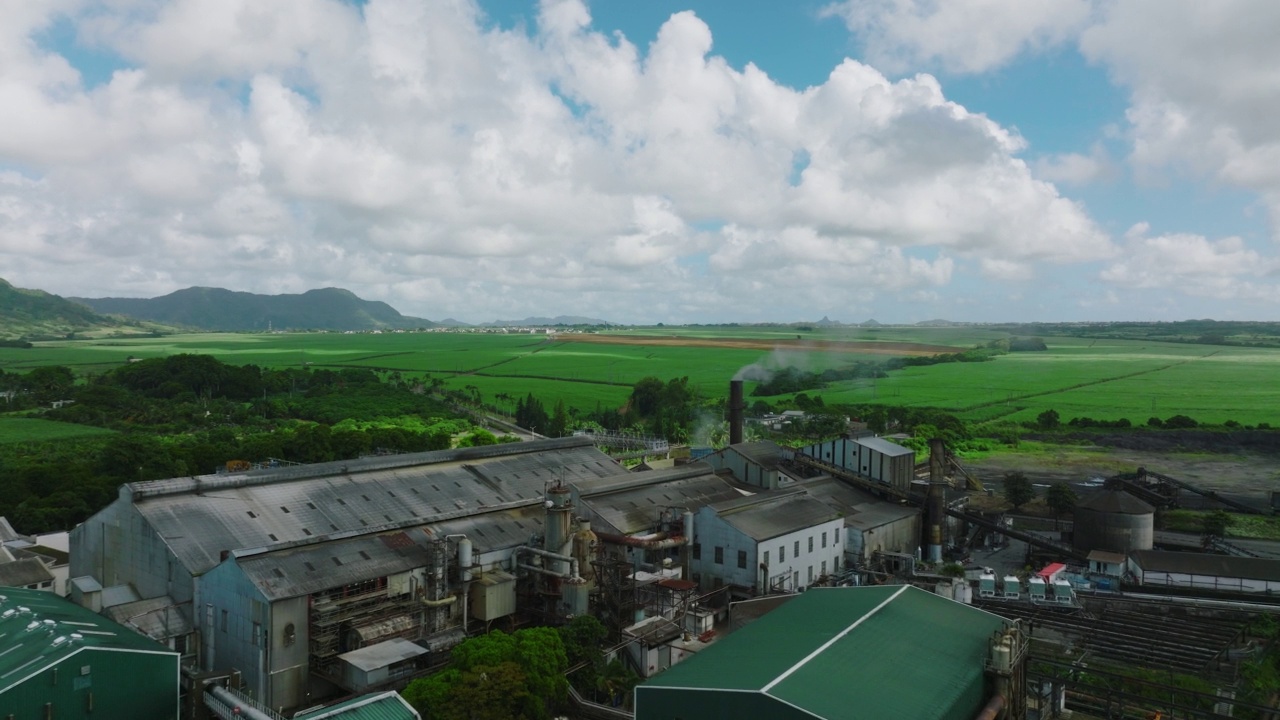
441,602
573,561
992,709
552,573
236,705
652,541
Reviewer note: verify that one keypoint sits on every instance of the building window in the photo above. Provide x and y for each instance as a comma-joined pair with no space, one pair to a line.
290,635
742,558
810,581
766,558
810,543
782,553
797,548
257,634
824,539
697,551
836,567
837,540
224,621
824,567
719,555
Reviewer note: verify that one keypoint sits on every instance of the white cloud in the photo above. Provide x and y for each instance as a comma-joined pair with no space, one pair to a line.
962,36
1075,168
1224,269
411,153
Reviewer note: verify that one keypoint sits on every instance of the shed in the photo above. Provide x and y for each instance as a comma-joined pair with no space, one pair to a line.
380,664
1206,571
374,706
64,661
862,652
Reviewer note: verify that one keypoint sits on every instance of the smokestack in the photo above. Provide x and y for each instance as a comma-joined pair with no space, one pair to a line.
935,500
737,409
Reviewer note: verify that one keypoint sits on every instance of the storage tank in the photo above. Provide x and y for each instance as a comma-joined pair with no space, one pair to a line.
556,536
464,560
1114,521
963,593
584,549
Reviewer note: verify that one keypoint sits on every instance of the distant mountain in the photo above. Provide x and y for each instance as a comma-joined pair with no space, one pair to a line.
871,323
226,310
36,313
545,321
937,323
827,322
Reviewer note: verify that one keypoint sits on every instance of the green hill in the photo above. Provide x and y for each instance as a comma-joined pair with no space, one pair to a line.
226,310
35,314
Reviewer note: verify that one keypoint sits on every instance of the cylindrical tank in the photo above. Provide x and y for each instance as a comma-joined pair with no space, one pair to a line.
688,526
963,593
584,549
574,593
557,539
464,560
1114,521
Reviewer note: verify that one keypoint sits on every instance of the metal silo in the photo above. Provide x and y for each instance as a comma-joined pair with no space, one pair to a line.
1115,521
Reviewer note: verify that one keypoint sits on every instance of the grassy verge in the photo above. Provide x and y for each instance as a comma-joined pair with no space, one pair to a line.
1256,527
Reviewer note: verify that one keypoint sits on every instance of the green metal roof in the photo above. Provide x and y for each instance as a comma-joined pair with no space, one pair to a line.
39,629
375,706
873,652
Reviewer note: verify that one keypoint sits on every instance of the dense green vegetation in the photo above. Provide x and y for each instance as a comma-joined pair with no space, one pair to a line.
521,676
191,414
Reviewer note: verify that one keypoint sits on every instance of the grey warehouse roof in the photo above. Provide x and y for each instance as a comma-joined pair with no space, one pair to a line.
305,569
885,447
861,510
1115,501
765,453
767,515
1209,565
23,572
158,618
200,517
632,503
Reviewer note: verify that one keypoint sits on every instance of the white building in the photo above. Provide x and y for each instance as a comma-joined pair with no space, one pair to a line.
1205,571
770,542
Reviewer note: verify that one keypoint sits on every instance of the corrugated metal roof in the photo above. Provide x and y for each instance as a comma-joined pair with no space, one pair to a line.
766,453
383,654
767,515
38,628
24,571
1226,566
199,518
885,447
896,652
376,706
861,510
1114,501
633,503
158,618
304,569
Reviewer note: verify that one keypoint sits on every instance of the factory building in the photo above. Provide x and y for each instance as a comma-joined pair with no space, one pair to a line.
282,573
769,542
641,516
59,660
757,464
1205,571
871,457
871,525
858,652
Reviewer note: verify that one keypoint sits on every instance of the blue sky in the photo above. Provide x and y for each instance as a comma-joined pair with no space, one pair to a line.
905,160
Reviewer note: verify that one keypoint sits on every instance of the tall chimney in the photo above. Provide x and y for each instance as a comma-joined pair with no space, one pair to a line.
935,500
737,410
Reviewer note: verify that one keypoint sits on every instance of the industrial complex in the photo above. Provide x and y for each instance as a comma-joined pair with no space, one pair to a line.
842,579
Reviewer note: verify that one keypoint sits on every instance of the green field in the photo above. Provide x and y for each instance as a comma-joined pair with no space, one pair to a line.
1104,379
23,429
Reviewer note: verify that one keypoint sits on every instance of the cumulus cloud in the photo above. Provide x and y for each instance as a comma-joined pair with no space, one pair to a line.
961,36
1201,76
412,152
1225,269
